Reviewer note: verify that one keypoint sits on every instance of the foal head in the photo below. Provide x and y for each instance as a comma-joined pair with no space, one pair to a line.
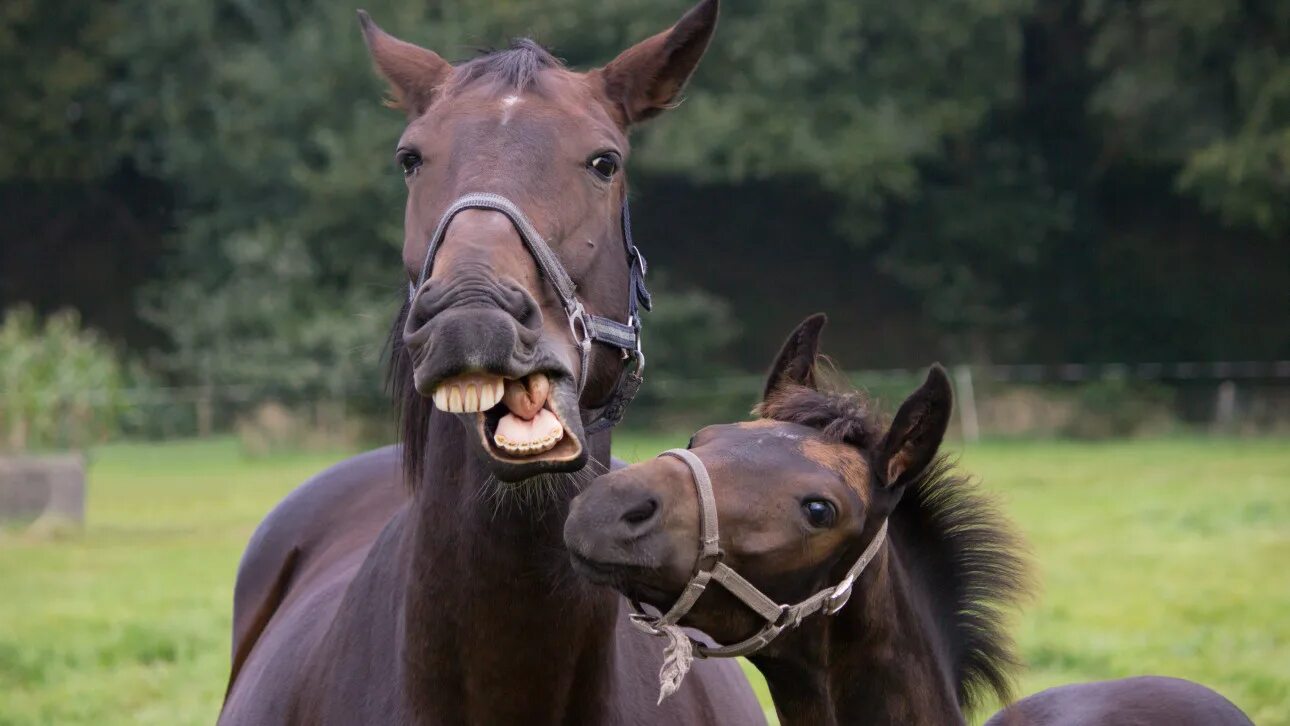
799,494
485,333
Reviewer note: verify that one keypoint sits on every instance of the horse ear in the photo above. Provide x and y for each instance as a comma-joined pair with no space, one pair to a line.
648,77
916,433
795,363
412,71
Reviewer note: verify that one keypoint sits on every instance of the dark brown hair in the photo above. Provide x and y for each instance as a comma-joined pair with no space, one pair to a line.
977,561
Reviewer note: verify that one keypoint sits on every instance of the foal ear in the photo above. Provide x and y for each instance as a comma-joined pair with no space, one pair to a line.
412,71
648,77
916,433
795,363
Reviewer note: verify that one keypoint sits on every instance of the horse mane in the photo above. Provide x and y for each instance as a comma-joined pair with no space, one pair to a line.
980,556
517,65
412,409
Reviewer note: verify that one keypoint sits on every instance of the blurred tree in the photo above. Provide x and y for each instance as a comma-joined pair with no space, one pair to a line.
1050,179
56,74
1205,85
79,226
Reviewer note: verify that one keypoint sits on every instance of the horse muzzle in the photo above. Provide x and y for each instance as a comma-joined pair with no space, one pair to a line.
479,352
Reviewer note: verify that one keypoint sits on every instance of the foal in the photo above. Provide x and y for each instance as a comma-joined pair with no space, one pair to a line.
804,497
800,494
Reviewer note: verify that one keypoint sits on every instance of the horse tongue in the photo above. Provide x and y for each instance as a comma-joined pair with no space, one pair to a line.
524,398
531,437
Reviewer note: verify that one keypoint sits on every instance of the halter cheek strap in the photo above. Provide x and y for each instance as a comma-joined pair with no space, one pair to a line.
709,568
586,328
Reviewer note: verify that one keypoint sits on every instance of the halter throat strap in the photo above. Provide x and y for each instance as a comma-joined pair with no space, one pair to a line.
585,327
709,568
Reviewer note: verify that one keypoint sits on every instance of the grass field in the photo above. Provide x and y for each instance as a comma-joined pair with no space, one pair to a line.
1163,557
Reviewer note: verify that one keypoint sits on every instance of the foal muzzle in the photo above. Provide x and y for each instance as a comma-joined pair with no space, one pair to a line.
709,568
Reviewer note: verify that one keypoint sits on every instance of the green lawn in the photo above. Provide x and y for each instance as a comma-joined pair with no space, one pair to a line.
1155,557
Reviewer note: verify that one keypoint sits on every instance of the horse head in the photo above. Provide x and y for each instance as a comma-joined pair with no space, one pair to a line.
523,282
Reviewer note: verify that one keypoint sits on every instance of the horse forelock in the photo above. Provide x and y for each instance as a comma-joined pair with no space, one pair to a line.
518,66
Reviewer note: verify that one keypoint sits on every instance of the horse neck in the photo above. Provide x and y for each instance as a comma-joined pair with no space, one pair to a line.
880,660
496,623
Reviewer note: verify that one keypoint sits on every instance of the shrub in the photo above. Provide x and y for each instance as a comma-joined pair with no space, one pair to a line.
61,386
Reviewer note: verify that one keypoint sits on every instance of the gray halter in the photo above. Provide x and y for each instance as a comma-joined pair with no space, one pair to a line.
586,327
709,568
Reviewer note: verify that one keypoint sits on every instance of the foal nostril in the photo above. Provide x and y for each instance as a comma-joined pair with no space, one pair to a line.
642,513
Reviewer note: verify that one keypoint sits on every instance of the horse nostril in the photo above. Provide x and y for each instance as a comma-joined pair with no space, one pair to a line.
641,513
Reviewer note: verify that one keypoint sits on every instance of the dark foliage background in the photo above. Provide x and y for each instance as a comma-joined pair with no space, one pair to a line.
210,182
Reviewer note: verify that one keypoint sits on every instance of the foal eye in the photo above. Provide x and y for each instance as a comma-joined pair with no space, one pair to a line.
408,160
605,165
819,512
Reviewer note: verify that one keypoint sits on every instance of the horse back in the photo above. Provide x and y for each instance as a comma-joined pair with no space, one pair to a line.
1140,701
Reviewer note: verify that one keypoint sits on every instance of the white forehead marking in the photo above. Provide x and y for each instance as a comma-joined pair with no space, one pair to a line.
508,105
780,434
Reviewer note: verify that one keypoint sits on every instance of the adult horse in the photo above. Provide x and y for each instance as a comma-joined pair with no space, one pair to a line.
450,599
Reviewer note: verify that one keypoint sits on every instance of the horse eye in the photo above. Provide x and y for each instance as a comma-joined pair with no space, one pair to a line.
408,160
819,512
605,165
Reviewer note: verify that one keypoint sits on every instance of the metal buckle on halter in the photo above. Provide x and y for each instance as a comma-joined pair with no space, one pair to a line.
772,630
839,597
578,324
635,351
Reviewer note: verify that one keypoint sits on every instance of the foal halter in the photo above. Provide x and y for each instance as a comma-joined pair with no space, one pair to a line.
709,568
586,327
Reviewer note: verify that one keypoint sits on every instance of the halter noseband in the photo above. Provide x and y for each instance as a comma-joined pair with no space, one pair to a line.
709,568
585,327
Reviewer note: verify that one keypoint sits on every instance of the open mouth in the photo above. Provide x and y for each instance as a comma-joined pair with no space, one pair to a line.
516,417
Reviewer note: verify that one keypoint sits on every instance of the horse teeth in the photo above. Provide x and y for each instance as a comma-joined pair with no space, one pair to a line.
489,394
468,393
529,448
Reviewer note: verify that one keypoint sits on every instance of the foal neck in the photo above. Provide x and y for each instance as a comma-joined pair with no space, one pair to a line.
498,627
879,661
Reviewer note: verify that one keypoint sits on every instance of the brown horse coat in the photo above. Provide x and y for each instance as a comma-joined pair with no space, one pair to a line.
428,584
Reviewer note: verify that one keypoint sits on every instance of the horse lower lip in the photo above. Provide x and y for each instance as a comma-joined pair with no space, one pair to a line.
594,570
538,435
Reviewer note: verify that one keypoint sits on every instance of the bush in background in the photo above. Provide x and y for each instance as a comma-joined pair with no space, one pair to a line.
61,386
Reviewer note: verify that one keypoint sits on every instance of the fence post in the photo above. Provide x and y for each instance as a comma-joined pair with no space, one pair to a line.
1225,406
967,404
204,412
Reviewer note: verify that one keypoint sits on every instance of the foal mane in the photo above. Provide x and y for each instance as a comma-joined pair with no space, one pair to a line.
983,569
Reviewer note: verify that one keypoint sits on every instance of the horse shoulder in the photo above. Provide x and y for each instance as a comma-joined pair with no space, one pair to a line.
316,518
